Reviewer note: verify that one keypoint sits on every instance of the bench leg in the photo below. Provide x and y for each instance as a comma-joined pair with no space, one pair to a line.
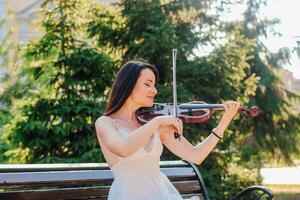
254,193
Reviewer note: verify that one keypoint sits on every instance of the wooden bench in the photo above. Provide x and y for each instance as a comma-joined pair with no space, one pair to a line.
92,181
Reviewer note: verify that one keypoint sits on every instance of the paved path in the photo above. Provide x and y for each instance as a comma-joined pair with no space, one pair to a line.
284,175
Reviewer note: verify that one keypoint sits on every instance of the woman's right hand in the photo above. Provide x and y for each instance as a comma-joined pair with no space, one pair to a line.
170,122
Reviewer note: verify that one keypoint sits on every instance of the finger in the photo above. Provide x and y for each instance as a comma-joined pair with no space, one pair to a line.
237,106
233,106
175,124
181,126
174,128
226,106
178,125
173,120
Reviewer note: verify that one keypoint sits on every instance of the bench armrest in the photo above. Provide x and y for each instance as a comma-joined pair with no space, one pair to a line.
254,193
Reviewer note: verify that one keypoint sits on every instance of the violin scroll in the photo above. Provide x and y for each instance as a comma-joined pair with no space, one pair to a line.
253,111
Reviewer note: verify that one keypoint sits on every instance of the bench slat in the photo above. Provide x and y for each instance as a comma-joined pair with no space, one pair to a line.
88,176
185,187
61,193
190,187
6,168
182,186
187,196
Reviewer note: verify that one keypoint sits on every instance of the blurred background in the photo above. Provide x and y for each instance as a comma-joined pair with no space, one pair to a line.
58,59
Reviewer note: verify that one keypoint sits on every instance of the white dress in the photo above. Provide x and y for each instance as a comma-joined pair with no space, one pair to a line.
138,176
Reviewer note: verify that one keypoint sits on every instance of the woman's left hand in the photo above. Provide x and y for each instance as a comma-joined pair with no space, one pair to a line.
231,109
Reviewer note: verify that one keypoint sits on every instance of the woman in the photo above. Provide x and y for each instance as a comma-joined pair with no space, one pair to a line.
133,151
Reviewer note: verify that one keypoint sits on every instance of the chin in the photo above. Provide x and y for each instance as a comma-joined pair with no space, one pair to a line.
150,104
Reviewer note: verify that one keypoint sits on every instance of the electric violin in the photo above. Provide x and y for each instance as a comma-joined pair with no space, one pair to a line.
192,112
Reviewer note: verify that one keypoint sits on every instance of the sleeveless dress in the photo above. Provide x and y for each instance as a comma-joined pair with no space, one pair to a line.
138,176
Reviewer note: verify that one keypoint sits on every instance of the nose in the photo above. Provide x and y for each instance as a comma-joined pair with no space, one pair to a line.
154,90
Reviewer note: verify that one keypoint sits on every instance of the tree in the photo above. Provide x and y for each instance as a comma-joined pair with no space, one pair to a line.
132,33
10,85
71,76
278,126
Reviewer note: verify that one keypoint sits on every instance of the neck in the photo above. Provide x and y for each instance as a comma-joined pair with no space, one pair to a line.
126,112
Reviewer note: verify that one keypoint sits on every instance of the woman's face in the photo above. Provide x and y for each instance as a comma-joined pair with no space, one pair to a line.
144,91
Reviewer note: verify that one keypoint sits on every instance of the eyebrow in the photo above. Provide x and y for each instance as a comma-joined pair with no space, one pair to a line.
149,80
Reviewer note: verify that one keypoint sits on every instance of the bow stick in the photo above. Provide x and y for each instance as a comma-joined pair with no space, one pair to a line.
174,52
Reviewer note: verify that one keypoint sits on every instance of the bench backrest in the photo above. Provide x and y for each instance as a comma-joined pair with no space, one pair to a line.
85,180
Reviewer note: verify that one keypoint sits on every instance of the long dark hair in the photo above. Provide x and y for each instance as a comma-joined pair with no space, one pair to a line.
125,82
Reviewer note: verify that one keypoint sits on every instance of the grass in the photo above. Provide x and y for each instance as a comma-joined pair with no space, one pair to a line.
285,192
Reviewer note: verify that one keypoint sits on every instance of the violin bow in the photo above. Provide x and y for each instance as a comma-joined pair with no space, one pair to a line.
174,53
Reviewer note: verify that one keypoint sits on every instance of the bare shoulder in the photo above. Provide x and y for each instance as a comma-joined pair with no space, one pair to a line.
104,123
103,120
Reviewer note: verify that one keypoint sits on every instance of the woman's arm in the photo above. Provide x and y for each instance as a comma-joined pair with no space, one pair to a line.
196,154
107,134
202,150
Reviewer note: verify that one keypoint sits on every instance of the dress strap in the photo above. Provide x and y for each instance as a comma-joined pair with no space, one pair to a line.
115,123
120,130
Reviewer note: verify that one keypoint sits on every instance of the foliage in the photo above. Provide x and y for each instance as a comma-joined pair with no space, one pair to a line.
9,87
277,129
152,37
70,78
